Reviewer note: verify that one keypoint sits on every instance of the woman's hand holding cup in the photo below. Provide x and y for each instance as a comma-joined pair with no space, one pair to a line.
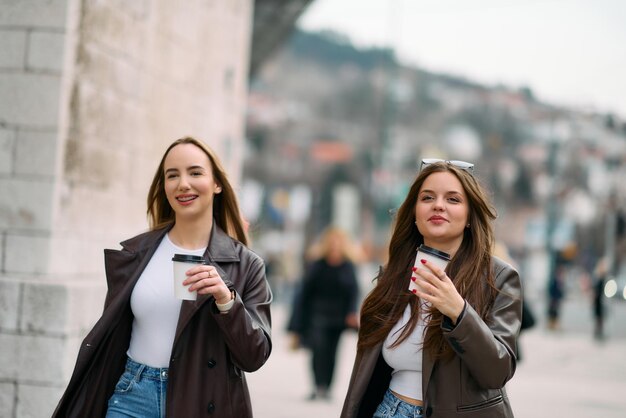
434,286
206,280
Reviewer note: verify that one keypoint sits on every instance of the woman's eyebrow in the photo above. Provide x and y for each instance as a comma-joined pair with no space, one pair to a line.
447,192
192,167
196,167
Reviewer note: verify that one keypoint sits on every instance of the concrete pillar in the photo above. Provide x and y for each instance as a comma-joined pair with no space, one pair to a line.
91,94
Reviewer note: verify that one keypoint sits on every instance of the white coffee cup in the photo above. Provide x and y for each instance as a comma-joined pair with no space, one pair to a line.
182,263
432,255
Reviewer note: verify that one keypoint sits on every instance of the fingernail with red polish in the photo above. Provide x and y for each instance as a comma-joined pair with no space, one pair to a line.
423,261
414,268
413,278
414,291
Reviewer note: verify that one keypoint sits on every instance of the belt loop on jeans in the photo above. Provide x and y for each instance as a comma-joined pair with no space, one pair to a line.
139,372
396,403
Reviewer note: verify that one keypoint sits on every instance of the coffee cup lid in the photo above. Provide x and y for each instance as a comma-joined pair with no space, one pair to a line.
434,252
188,258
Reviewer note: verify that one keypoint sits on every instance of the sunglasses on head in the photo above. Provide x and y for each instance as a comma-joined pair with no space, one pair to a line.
463,165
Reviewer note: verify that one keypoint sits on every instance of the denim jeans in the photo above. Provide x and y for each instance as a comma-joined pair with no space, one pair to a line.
140,392
393,407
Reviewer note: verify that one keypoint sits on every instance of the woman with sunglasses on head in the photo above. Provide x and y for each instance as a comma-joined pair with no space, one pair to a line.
447,349
152,355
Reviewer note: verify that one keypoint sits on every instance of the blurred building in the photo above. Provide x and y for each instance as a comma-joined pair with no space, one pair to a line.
91,93
350,125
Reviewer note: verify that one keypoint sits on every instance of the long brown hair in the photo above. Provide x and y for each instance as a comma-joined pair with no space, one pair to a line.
225,207
385,304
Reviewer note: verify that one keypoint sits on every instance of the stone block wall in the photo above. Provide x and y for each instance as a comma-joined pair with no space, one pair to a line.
91,94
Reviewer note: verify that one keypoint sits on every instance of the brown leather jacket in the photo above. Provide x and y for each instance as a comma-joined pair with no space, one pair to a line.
211,351
472,383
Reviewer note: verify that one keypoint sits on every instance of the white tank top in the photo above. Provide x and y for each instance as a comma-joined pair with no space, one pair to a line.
155,308
406,358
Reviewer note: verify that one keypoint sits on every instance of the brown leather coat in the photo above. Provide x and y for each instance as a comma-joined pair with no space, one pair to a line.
211,351
472,383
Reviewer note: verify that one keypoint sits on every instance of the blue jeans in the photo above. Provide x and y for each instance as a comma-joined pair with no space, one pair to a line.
393,407
140,392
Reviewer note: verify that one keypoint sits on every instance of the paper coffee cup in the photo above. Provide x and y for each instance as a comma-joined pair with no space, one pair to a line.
182,263
439,258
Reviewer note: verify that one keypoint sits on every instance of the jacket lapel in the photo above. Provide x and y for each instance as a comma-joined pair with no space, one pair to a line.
220,249
366,366
428,364
123,268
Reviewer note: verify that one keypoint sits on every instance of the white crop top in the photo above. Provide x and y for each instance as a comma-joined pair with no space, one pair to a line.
406,358
155,308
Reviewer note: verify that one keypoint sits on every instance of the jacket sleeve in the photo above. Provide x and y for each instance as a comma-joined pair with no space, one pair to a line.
487,348
246,326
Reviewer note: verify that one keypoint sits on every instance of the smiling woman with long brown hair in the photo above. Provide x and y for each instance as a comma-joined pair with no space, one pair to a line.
447,349
154,355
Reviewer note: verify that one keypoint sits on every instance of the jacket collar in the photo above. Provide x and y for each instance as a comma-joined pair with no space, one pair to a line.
142,242
221,247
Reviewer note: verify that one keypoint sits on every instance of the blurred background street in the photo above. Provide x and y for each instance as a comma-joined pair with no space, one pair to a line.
564,373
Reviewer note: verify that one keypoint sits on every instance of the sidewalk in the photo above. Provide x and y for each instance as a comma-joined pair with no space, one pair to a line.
569,375
560,375
279,389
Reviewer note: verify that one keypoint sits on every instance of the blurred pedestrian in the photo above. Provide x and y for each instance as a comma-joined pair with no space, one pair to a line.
325,306
556,291
152,355
528,322
599,276
448,349
273,273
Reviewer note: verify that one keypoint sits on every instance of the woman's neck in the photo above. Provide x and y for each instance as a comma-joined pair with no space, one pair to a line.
191,236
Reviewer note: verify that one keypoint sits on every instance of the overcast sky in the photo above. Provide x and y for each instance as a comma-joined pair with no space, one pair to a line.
570,52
